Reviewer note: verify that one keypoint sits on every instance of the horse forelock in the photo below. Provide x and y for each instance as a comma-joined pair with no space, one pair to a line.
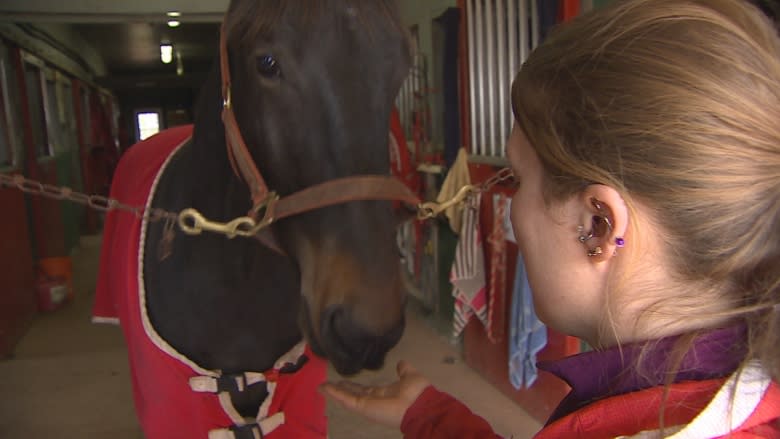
247,20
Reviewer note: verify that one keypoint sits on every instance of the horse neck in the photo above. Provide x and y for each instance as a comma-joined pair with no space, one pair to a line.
209,279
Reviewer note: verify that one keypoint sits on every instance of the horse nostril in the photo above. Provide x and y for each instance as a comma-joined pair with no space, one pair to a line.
337,327
352,347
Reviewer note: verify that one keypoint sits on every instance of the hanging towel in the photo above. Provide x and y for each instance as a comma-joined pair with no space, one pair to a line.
527,334
497,291
468,271
509,231
457,177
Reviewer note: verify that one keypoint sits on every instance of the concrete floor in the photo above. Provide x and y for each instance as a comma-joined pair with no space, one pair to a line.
69,378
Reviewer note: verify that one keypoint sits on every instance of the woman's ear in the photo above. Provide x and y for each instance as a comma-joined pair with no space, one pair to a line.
604,219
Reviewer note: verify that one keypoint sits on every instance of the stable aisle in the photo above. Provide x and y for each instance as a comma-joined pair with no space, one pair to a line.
69,378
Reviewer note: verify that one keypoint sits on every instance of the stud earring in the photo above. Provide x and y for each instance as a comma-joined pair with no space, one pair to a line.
596,252
620,242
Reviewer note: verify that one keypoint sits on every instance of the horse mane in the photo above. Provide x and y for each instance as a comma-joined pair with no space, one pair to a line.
248,19
208,128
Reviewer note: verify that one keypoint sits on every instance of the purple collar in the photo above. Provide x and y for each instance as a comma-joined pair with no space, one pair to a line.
599,374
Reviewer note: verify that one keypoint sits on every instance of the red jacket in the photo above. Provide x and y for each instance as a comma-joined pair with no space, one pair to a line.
694,409
174,397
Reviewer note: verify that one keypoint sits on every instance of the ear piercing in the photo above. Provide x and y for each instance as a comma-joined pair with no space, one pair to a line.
595,252
601,226
583,237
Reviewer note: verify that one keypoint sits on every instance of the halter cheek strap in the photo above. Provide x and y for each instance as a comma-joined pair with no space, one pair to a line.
240,158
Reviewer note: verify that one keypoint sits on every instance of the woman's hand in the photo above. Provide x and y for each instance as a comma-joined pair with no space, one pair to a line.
384,404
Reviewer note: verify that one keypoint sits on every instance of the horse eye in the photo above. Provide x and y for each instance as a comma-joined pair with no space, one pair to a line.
268,66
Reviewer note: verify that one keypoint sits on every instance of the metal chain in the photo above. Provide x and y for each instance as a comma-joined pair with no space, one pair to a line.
97,202
192,223
433,209
503,175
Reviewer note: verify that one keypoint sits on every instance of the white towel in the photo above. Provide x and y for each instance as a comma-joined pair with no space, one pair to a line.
468,271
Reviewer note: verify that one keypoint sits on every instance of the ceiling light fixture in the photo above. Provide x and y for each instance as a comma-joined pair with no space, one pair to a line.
179,64
173,14
174,23
166,53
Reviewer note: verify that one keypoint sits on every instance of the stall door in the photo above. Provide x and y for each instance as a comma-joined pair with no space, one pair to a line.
17,302
48,231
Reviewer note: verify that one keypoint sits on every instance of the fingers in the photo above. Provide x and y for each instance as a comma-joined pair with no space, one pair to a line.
357,390
343,393
375,403
353,388
385,404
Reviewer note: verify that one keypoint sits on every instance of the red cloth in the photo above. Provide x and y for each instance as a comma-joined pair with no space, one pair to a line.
496,321
400,159
437,415
568,9
165,404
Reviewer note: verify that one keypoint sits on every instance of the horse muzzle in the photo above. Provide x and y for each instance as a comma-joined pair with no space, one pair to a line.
349,346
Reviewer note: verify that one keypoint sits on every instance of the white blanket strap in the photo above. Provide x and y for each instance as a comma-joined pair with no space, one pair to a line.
208,384
258,431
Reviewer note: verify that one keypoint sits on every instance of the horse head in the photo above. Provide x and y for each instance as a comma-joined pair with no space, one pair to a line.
313,87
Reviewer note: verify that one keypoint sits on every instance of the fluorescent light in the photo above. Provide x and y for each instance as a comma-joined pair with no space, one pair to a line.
174,14
179,64
166,53
173,23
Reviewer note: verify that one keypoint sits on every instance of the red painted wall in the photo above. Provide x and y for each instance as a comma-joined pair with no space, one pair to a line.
99,151
90,225
17,299
49,232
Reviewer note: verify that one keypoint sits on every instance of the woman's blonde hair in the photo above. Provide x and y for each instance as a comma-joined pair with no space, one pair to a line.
675,103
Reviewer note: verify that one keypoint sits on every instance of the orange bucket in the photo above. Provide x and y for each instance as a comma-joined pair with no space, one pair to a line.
61,267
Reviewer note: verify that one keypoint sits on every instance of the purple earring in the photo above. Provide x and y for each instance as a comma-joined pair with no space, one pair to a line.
620,242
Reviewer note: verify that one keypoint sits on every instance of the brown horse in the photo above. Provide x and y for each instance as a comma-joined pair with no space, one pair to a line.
313,85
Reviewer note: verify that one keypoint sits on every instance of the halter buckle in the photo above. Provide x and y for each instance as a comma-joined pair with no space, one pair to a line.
267,205
227,99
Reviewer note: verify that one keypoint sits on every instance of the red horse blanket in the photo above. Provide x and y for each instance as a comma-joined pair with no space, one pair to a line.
174,397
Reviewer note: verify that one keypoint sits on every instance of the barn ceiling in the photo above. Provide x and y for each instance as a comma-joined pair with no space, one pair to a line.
134,48
111,10
127,34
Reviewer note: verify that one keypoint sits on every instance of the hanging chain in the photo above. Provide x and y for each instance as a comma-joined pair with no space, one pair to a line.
97,202
505,174
192,223
433,209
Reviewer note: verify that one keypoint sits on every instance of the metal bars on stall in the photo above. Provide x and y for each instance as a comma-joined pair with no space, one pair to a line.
500,35
412,101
